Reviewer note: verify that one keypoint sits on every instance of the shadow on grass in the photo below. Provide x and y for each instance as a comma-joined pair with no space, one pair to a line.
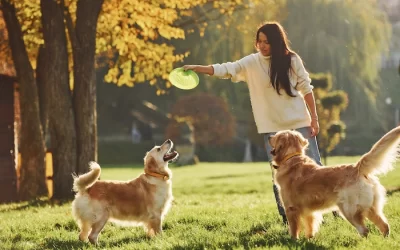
70,226
245,243
126,240
57,243
60,244
266,235
232,176
37,203
393,190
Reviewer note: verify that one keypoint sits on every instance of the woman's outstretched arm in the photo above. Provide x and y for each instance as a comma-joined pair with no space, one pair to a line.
209,70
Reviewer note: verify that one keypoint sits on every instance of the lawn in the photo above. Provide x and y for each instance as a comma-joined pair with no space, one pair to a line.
216,206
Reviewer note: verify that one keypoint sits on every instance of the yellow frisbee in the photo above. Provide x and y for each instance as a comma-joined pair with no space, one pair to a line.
183,79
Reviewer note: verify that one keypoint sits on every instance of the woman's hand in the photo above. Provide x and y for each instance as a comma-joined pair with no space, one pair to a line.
200,69
314,127
187,67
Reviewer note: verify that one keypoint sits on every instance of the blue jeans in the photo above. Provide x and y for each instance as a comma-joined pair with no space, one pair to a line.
312,152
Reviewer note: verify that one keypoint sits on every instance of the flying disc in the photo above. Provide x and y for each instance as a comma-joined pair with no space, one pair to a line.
183,79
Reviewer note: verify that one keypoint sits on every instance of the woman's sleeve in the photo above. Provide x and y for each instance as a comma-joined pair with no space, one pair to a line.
236,71
303,84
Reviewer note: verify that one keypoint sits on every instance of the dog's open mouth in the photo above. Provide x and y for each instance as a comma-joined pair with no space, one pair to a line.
170,156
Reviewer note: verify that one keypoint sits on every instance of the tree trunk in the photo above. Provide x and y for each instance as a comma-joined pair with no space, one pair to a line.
42,90
84,48
61,116
32,175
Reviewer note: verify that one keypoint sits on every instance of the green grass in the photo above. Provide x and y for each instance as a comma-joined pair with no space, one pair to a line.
216,206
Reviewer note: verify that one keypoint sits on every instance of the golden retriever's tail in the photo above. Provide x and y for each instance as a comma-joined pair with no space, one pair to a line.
86,180
380,159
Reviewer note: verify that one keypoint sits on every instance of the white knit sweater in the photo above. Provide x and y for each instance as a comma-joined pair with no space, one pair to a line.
272,112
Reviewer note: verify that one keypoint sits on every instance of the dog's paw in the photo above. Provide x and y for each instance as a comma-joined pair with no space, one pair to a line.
93,240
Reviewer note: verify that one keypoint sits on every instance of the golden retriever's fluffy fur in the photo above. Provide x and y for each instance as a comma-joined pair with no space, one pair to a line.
142,201
308,190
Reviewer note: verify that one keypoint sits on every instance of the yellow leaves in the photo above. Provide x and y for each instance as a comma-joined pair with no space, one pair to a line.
117,29
133,39
182,4
171,32
112,75
135,29
201,31
28,14
101,45
153,61
152,82
186,12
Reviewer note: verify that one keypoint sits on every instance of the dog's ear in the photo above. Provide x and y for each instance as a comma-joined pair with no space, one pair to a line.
271,140
145,157
303,141
151,164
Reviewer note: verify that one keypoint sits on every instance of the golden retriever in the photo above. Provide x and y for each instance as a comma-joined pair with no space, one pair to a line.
142,201
308,190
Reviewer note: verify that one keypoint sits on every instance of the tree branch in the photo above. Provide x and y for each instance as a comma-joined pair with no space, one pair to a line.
204,16
70,26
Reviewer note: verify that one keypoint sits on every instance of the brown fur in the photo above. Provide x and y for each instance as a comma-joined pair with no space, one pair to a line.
308,190
141,201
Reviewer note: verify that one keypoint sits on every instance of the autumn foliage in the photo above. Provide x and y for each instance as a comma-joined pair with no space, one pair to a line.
209,115
6,65
142,34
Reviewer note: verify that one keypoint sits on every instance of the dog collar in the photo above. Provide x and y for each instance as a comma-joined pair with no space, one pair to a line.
157,175
290,156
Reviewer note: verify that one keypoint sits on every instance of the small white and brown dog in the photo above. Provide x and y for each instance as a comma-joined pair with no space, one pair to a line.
143,201
308,190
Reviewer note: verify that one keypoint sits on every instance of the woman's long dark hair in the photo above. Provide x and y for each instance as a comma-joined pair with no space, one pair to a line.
280,56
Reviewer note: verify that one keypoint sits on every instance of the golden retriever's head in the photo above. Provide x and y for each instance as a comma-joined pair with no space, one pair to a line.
285,143
156,160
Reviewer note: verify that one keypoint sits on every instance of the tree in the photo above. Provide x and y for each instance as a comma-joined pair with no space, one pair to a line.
32,175
72,130
329,106
133,34
57,99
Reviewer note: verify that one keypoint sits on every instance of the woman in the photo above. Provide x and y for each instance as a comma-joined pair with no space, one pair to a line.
279,86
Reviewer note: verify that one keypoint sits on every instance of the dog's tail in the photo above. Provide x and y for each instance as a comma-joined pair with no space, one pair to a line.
86,180
380,159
